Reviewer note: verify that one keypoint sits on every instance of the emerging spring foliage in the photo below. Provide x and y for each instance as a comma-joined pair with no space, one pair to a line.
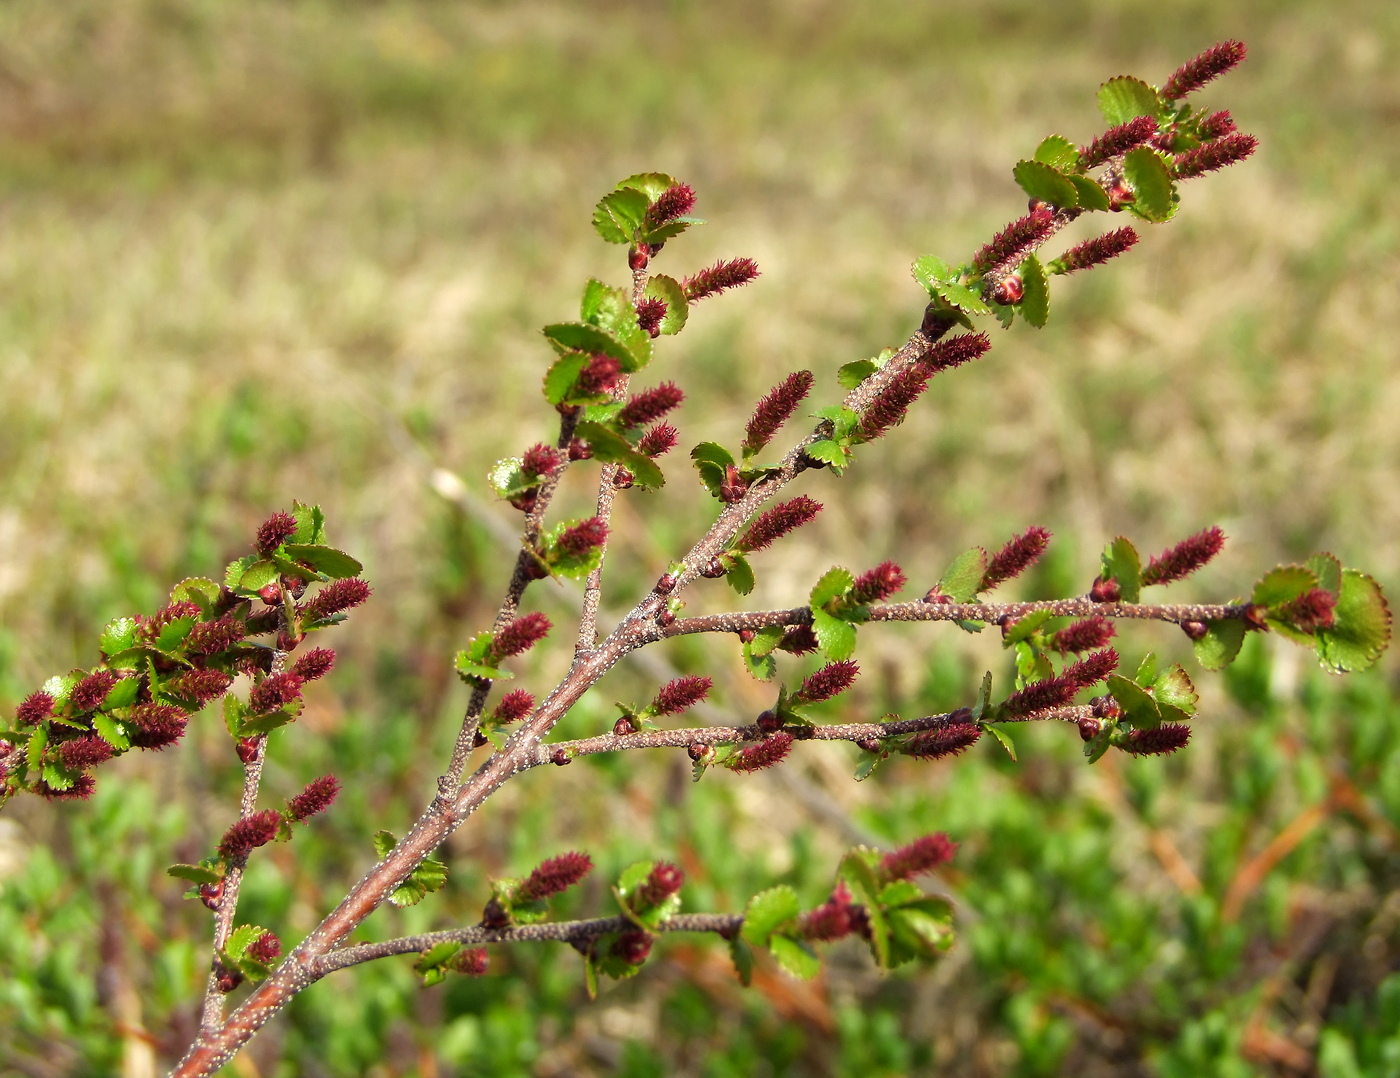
157,671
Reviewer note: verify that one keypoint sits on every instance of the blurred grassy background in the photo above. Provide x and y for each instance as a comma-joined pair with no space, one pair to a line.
258,251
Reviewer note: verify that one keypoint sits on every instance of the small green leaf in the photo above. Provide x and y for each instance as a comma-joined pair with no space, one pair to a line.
234,573
1328,571
234,713
1122,563
612,448
1003,738
857,869
931,270
712,452
674,227
1146,672
836,638
983,706
1035,303
1173,688
122,694
110,730
336,564
962,297
742,956
651,184
265,724
829,452
619,214
241,938
432,963
1025,628
173,633
426,878
1125,98
851,375
669,291
257,576
1282,584
199,590
796,958
1058,152
1361,629
592,340
560,378
119,635
1137,703
1218,648
834,583
194,873
1044,182
1091,195
919,931
1151,180
311,523
767,911
867,762
962,579
739,573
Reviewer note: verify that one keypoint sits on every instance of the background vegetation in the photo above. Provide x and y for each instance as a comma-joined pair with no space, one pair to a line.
263,250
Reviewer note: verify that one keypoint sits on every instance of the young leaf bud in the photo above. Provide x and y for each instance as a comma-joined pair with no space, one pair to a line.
680,694
734,486
271,594
712,569
920,856
1018,555
1008,290
831,680
1162,741
623,727
247,748
638,256
761,754
554,876
869,744
249,833
777,522
1195,630
768,722
1201,69
317,797
561,758
722,275
1105,707
494,916
580,450
699,753
1185,558
1105,591
775,409
210,893
275,531
632,947
665,584
799,640
227,979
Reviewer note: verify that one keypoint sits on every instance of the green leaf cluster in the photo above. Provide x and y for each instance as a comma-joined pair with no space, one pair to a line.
235,952
620,216
428,876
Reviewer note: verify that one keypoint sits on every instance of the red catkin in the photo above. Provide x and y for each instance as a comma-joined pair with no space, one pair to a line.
799,640
1015,241
35,708
632,947
1092,670
84,752
514,705
660,439
1162,741
832,920
761,754
1041,695
471,961
275,531
878,584
89,692
1082,636
1201,69
584,536
1309,612
154,726
266,948
684,692
540,460
519,635
1216,125
80,790
1213,155
334,598
947,740
890,406
211,637
720,276
676,201
554,876
1018,555
920,856
273,692
1117,141
249,833
650,314
831,680
664,880
316,663
1185,558
317,797
149,628
774,409
199,686
953,352
1098,250
771,526
650,405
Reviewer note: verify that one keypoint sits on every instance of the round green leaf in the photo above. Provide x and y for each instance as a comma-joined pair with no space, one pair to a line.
1362,627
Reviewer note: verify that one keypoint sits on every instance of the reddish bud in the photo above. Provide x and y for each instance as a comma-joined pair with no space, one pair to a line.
334,598
1105,591
1162,741
265,949
745,636
676,201
271,594
650,313
623,727
579,450
1185,558
227,979
247,748
1216,125
712,569
37,707
650,405
720,276
1308,613
734,486
1201,69
317,797
1015,557
1119,195
831,680
949,739
761,754
869,744
249,833
699,752
664,881
684,692
210,893
154,726
775,409
768,722
1097,250
275,531
316,663
561,758
469,961
273,692
632,947
1092,670
660,439
1117,141
1088,728
1213,155
494,916
665,584
519,635
1008,290
212,637
540,460
1195,630
88,693
777,522
600,376
1015,241
1105,707
638,257
84,752
1081,636
514,705
920,856
665,617
554,876
799,640
878,584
